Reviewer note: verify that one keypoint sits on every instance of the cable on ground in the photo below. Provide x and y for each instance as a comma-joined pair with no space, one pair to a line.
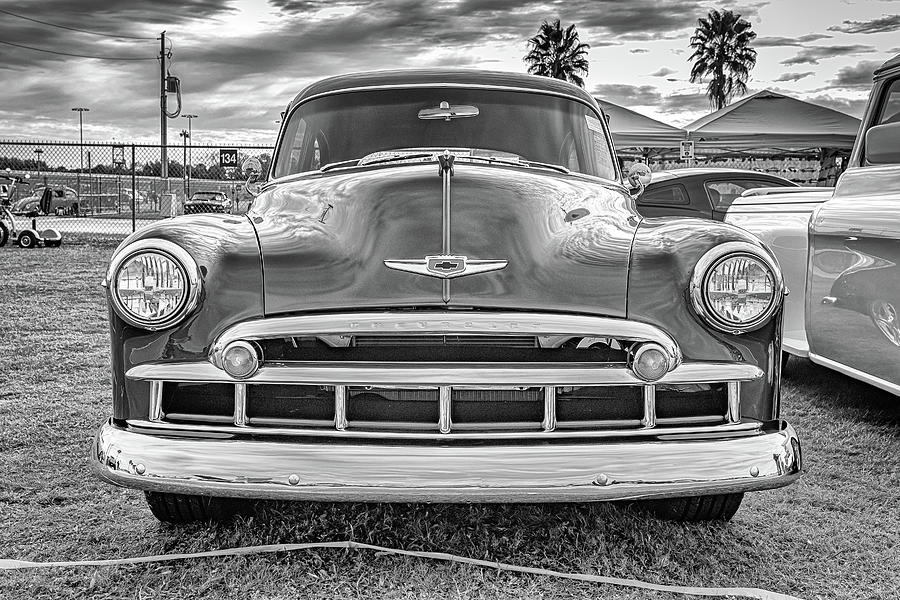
759,594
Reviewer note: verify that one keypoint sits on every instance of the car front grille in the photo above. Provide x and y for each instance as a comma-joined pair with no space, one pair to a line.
443,375
419,409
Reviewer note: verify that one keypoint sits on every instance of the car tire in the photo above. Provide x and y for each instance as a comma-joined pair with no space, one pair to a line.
27,240
183,508
717,507
4,234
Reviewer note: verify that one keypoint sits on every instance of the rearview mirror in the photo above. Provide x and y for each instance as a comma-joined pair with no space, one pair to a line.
883,144
446,111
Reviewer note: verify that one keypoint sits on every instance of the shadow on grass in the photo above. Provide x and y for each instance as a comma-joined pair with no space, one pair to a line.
843,397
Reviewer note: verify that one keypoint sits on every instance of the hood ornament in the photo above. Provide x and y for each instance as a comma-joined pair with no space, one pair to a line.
445,266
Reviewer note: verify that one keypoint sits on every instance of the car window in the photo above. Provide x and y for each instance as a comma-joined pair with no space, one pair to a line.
722,193
670,194
890,110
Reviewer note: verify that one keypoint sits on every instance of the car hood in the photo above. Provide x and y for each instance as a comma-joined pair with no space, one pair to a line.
324,238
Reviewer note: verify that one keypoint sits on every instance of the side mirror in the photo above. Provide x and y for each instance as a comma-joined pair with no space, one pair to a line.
883,144
638,177
251,170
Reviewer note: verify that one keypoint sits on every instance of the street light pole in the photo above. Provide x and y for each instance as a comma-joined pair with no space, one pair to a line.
185,135
80,112
39,151
190,158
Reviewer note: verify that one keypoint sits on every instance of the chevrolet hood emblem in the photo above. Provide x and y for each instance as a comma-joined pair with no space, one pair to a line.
445,266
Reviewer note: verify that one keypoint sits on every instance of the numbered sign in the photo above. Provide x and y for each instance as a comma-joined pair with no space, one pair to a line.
118,155
228,158
687,149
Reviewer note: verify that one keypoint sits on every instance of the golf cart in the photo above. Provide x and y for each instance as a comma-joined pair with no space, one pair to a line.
27,237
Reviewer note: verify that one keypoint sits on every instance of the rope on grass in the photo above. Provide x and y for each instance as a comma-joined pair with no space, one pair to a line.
11,565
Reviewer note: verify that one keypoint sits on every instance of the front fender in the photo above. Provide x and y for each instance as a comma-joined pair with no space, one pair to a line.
227,252
664,253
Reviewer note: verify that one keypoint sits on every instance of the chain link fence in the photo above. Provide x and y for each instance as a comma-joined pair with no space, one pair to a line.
108,190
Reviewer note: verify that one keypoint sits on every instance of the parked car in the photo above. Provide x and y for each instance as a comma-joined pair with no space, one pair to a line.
426,303
205,202
704,192
64,199
840,251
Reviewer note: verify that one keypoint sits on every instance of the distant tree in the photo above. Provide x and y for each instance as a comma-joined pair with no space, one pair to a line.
722,51
556,52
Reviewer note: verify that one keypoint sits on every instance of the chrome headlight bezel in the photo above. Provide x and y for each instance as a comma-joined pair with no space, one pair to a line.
708,263
171,251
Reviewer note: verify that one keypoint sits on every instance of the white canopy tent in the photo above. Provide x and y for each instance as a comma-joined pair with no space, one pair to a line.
634,130
768,119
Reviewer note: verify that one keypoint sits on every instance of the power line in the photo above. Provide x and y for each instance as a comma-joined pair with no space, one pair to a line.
75,55
126,37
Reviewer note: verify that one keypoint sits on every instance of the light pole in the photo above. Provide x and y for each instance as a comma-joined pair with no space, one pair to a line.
190,158
39,151
80,112
185,135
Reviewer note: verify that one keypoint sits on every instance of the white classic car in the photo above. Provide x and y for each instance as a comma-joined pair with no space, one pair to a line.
840,251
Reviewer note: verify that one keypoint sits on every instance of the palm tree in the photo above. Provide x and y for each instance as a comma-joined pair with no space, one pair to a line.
555,52
722,50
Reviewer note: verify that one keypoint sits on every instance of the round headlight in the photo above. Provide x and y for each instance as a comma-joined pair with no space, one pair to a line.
153,284
736,288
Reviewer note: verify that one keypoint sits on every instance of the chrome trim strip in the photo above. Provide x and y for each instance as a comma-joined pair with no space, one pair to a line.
649,419
446,323
486,375
476,86
734,402
340,407
564,430
445,400
526,472
156,412
240,405
549,422
855,373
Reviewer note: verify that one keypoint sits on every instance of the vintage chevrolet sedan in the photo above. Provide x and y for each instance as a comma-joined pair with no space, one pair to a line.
444,293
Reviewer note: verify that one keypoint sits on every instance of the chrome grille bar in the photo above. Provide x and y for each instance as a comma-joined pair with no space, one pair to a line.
340,407
649,419
734,402
156,412
444,405
549,422
240,405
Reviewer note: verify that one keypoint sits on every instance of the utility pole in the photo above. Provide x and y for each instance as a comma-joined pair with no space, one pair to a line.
164,158
80,111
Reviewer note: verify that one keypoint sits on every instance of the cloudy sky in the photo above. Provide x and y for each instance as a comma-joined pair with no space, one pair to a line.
240,61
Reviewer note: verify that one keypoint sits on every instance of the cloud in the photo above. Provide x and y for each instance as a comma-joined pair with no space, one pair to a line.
882,25
793,76
856,76
771,42
815,54
851,106
662,72
639,51
679,103
628,95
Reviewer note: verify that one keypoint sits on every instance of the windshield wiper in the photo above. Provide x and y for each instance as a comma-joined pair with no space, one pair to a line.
353,162
517,162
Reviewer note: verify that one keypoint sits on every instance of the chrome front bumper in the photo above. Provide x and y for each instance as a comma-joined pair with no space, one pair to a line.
665,464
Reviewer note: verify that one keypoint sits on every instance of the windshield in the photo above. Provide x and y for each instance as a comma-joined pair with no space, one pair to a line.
533,127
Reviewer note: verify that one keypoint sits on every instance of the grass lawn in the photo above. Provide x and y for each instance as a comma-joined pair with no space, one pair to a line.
835,534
